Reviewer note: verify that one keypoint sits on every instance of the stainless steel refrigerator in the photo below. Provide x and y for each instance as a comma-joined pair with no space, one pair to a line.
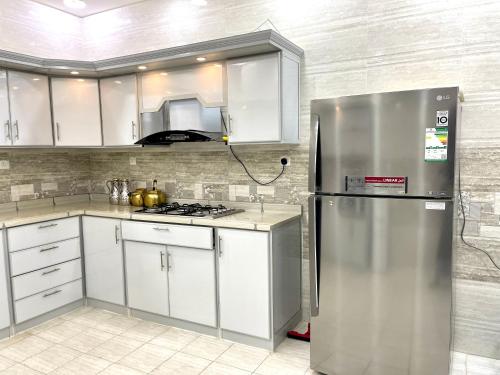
381,232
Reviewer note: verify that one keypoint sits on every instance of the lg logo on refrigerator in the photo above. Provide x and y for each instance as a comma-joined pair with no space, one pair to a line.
443,97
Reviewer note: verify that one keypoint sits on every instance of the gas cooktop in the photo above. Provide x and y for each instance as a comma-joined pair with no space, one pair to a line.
195,210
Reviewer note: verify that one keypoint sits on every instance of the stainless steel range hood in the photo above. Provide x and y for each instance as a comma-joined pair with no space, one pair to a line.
183,120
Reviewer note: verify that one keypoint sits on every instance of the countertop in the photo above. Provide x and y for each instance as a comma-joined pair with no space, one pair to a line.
251,219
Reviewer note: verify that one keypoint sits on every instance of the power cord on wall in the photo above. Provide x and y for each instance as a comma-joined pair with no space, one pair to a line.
283,163
463,226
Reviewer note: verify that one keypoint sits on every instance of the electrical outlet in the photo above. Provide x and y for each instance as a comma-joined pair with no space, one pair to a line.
133,160
4,164
285,160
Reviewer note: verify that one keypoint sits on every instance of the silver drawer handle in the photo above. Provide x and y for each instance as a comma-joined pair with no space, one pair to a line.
49,248
51,271
52,293
163,229
47,226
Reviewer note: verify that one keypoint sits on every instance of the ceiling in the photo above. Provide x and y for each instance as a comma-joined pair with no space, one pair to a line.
91,6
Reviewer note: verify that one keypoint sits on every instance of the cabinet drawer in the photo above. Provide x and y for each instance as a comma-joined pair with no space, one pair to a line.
41,303
43,233
180,235
50,277
28,260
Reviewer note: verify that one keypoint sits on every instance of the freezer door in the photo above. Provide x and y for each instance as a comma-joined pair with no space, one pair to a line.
384,281
398,143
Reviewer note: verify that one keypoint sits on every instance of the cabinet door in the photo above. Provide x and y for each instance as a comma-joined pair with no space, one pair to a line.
147,284
4,299
205,81
244,282
103,260
119,110
191,284
30,109
77,117
253,99
5,131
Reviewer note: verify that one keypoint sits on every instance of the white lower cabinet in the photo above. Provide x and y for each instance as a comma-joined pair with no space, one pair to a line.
38,304
147,284
244,286
103,259
191,280
4,298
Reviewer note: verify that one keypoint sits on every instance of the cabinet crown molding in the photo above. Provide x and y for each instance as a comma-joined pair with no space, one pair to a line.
213,50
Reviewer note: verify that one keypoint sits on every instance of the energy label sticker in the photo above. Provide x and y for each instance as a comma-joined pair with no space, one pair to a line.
441,119
436,144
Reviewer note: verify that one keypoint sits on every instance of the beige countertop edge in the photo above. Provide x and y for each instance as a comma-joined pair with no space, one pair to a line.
228,222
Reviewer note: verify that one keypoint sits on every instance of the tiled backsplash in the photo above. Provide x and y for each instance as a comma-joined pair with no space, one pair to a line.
40,173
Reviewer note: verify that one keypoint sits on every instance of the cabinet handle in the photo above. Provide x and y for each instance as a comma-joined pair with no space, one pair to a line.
58,131
162,265
52,293
116,234
7,130
162,229
47,226
220,246
169,265
51,271
229,130
49,248
16,126
133,130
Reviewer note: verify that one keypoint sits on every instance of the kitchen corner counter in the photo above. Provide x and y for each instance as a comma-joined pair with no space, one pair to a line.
251,219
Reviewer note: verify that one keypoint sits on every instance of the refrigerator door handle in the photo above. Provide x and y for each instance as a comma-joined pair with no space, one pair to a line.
314,155
314,220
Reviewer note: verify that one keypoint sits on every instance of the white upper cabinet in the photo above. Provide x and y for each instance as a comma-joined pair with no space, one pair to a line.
204,81
263,99
119,106
5,135
31,123
77,117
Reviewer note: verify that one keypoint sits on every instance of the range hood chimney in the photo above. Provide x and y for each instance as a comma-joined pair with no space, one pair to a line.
183,120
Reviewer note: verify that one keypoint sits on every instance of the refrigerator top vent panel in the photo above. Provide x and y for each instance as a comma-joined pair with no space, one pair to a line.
395,144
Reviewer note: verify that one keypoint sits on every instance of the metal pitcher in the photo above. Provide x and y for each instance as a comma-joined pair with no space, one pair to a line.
114,190
124,192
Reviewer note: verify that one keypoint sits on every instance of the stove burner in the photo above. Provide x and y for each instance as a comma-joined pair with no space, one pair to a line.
194,209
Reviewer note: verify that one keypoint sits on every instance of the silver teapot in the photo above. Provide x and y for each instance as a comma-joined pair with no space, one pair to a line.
124,192
114,190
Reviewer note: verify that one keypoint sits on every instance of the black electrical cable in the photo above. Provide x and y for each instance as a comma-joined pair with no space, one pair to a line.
244,166
463,226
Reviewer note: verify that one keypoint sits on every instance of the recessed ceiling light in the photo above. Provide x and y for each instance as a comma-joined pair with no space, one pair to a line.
199,2
164,74
201,59
75,4
36,79
74,72
118,82
142,67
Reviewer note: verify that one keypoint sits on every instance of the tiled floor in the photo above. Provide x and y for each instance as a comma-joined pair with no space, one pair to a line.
92,341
